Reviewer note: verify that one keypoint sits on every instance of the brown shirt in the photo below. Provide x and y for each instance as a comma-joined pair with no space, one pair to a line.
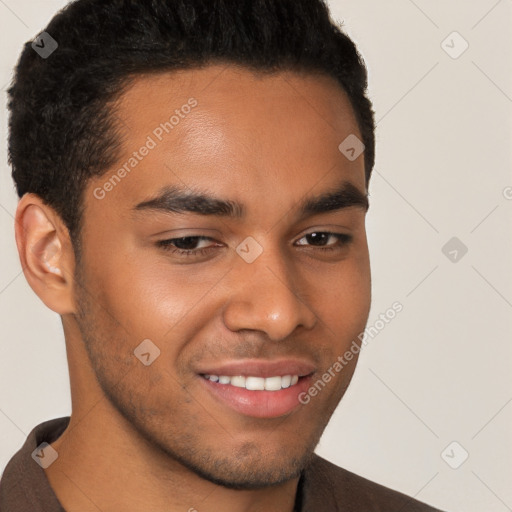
323,487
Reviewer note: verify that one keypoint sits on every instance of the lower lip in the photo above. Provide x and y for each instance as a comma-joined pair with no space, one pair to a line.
259,404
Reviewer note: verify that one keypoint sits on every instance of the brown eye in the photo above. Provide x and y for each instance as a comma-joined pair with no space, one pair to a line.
320,240
185,245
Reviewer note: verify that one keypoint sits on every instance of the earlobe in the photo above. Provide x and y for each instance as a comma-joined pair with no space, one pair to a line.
44,251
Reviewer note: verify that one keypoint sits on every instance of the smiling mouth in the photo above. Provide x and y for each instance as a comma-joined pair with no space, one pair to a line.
253,383
257,395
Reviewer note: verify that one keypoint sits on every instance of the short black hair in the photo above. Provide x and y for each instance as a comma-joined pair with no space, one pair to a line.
62,124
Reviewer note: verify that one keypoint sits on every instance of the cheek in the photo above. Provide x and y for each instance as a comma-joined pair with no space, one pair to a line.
163,303
345,297
147,298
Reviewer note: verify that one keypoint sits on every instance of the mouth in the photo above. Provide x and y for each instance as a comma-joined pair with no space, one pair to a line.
259,389
253,383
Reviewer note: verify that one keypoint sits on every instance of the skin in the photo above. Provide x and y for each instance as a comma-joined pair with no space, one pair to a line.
152,437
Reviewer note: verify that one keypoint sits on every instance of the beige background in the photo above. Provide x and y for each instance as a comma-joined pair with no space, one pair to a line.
440,371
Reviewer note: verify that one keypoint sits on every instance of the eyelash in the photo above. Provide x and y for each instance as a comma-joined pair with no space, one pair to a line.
166,245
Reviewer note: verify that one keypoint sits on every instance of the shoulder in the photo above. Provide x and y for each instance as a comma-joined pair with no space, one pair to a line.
23,484
328,487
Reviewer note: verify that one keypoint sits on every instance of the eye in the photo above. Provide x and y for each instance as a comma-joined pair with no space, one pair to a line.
186,245
322,237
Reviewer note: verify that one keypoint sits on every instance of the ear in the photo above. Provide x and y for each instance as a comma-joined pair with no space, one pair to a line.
46,253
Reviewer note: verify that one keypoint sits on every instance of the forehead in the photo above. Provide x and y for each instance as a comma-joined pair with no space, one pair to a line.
234,132
232,96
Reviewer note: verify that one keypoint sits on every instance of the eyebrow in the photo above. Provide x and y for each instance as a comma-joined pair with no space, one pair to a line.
177,199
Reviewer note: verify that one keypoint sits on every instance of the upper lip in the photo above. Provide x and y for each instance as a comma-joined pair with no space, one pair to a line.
260,368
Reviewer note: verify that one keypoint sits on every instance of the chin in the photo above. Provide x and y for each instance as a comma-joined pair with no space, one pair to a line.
248,475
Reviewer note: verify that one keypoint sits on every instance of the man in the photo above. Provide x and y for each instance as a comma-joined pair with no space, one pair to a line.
193,179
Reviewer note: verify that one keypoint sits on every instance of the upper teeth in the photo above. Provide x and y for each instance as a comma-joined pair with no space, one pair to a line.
256,383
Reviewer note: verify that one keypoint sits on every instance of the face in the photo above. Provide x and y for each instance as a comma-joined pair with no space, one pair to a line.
229,256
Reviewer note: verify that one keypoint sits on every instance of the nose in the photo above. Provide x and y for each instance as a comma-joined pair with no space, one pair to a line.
265,297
